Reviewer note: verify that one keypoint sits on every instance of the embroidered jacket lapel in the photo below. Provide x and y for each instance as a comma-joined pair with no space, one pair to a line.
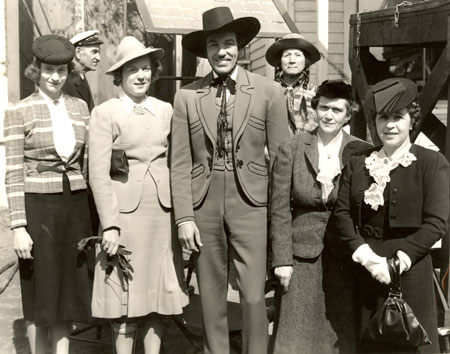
245,99
205,101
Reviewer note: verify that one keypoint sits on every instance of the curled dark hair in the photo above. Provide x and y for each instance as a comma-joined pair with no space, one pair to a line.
413,110
155,65
33,71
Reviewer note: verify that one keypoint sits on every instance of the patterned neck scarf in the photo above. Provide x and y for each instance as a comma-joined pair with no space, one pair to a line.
303,82
222,83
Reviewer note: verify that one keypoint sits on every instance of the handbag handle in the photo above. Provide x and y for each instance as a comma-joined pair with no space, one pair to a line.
394,271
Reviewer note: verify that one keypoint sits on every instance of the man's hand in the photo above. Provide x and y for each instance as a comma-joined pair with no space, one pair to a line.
284,273
189,236
22,243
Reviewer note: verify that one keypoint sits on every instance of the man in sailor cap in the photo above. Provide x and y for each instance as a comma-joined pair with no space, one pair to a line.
87,57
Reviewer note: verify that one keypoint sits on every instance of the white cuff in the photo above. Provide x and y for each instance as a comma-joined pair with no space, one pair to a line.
362,254
185,222
405,261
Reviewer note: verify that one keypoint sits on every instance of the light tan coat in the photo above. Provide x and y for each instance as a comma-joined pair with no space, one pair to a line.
112,128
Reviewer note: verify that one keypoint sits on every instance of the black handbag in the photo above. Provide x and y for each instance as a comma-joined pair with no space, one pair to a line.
119,163
395,322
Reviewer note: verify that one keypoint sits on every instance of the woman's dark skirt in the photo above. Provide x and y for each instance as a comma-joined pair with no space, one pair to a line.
56,284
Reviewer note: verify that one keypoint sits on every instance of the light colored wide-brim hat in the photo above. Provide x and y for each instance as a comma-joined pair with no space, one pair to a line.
130,48
217,20
292,41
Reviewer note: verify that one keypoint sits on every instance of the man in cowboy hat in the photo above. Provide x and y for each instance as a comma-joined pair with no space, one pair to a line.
87,57
219,176
292,56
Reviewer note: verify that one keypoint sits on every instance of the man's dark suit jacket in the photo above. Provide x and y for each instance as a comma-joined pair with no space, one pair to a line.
77,87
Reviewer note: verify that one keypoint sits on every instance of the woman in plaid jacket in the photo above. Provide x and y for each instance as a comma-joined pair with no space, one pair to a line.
46,164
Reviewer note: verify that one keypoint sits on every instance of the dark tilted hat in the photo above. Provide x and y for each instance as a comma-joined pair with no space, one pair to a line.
391,95
86,39
53,49
335,89
220,19
291,41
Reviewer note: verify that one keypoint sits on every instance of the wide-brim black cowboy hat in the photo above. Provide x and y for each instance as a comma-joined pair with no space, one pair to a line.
292,41
220,19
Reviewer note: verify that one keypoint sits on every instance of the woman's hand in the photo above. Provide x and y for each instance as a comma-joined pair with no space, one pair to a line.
22,243
284,273
110,241
380,271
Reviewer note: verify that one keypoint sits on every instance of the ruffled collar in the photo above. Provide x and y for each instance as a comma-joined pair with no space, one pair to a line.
329,163
380,166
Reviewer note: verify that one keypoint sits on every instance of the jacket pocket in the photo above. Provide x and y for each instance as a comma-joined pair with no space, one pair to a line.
258,169
257,123
197,171
194,127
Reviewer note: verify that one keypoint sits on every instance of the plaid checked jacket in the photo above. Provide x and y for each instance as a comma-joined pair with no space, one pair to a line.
28,136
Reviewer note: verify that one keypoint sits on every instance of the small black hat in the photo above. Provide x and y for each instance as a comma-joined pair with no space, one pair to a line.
391,95
220,19
53,49
335,89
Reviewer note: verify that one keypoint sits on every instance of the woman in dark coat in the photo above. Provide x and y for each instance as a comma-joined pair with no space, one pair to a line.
394,200
305,175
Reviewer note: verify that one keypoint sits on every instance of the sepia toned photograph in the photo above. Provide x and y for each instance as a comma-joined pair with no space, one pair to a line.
224,176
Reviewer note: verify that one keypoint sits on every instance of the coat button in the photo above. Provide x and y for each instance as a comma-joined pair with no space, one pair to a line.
394,203
394,190
393,216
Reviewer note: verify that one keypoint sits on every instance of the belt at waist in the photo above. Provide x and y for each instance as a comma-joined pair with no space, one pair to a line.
369,231
59,167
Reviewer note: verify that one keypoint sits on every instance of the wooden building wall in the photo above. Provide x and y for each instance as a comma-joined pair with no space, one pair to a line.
305,18
336,48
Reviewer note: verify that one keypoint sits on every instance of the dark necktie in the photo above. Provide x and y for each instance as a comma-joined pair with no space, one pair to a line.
222,83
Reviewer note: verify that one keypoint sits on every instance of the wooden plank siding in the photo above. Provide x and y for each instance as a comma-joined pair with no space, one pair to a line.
257,54
305,17
336,24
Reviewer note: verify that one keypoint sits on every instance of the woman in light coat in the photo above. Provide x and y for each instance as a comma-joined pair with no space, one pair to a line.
134,203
